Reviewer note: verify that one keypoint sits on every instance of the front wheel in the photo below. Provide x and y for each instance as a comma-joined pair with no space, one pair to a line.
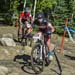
37,63
27,41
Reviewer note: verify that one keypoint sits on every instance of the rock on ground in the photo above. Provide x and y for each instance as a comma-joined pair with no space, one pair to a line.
8,35
13,74
3,70
7,42
2,73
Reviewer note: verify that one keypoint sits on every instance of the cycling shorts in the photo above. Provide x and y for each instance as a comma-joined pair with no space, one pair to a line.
44,31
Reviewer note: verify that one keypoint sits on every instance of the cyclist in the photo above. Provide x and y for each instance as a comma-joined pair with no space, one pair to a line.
25,21
45,27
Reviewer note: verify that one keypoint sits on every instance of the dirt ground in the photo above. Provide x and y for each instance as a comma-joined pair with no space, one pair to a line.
22,56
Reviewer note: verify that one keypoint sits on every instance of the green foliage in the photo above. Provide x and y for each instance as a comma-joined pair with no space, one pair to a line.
64,9
44,4
35,28
13,11
4,6
56,10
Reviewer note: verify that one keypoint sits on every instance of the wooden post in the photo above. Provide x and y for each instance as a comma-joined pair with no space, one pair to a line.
62,42
17,23
34,9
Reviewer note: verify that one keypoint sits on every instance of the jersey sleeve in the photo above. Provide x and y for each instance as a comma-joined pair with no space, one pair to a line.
30,16
22,15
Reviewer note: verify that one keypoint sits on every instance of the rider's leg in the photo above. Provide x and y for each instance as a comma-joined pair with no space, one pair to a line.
20,30
29,30
48,41
28,27
40,36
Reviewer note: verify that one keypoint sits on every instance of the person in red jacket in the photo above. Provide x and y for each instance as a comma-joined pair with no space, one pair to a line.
25,21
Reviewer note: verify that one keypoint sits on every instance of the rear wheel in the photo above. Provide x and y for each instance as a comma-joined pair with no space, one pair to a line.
37,63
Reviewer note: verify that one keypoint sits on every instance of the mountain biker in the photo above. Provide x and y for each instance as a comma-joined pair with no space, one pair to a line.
45,27
25,21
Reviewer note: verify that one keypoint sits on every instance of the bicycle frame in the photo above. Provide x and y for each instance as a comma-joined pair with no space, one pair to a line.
42,46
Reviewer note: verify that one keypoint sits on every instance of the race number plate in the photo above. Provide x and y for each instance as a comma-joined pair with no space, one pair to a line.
36,37
28,25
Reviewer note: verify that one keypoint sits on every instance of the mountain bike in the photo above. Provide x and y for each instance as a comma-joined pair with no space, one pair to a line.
39,54
26,38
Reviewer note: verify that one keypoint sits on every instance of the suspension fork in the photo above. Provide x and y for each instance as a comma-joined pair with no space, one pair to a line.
45,45
41,50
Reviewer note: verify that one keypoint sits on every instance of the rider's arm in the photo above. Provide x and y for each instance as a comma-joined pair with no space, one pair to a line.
51,27
21,16
31,18
20,21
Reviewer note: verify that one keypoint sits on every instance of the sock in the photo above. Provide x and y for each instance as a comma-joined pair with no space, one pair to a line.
50,52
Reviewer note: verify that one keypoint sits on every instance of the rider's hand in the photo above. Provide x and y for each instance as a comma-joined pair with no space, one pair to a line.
49,32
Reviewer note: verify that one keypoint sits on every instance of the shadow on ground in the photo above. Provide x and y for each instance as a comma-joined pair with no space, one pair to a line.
70,57
26,63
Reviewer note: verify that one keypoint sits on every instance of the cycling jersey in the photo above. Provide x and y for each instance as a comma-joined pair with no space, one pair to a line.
25,17
43,25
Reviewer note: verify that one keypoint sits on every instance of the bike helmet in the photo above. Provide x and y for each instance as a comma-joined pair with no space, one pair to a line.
40,15
27,9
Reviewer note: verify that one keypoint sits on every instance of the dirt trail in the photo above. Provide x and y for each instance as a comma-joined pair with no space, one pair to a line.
22,57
